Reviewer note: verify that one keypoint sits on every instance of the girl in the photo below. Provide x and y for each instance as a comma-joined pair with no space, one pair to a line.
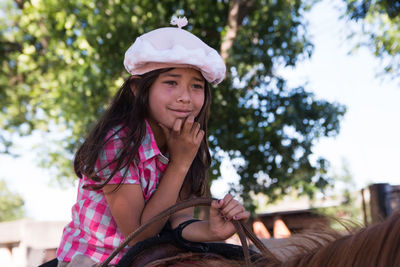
148,151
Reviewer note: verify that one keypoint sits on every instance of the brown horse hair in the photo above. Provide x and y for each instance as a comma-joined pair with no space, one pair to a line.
376,245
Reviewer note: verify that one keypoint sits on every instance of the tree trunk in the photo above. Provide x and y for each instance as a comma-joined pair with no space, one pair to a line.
237,11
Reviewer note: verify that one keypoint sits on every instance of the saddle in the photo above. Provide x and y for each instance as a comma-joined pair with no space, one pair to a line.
167,244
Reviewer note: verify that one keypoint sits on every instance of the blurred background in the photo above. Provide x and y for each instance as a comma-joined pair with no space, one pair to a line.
305,125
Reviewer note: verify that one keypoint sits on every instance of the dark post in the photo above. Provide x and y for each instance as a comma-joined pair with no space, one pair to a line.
380,201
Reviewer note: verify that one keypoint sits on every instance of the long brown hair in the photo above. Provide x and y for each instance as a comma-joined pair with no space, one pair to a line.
130,111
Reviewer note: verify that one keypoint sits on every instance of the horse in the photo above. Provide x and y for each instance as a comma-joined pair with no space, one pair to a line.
376,245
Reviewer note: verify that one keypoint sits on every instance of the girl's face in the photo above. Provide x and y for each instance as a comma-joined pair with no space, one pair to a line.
175,94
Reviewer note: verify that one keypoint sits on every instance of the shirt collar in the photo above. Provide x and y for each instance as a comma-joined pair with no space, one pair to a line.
148,148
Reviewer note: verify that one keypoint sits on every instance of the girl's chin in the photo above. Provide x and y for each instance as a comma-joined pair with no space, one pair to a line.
169,124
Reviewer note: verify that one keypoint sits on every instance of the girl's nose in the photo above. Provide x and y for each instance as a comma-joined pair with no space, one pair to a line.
184,96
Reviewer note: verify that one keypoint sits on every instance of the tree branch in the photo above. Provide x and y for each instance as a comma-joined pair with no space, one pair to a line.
20,3
231,32
10,46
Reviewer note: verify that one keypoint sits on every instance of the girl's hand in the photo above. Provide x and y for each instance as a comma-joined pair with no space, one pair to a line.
222,212
183,141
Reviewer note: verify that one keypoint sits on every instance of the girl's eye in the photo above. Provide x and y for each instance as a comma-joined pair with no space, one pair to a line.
198,86
171,83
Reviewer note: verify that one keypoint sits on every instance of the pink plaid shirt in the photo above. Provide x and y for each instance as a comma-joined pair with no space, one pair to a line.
93,231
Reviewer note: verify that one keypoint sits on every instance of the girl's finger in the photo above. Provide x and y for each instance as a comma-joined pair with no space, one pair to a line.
245,215
195,128
227,198
231,211
187,126
215,206
176,128
231,207
199,136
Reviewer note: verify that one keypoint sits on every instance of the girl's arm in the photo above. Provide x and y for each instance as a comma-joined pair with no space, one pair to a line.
127,204
130,211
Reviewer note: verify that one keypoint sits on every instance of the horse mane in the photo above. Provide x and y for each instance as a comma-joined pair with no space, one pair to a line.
375,245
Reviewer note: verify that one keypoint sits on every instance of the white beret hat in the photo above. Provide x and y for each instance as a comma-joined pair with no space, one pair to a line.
174,47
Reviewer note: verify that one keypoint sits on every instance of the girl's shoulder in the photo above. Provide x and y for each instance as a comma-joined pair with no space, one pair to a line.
117,132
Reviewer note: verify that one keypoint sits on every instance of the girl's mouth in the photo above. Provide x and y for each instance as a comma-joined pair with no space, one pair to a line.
181,112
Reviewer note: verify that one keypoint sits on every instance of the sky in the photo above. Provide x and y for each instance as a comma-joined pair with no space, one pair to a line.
369,137
368,140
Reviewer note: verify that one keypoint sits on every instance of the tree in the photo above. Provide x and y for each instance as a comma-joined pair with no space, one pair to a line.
11,204
380,31
62,61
